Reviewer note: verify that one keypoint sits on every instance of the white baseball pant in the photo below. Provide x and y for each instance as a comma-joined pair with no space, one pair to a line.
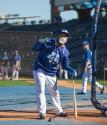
4,72
88,76
15,73
64,73
41,79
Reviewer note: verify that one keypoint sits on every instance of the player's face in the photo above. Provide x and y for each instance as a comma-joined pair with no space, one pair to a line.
5,53
63,38
85,46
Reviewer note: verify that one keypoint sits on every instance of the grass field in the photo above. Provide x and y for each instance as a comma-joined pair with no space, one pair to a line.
25,83
14,83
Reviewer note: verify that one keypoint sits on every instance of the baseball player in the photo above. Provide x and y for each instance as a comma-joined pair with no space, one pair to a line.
5,66
87,69
45,70
16,66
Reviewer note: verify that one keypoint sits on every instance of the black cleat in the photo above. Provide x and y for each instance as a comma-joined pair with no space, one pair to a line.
63,114
50,119
102,90
81,93
42,116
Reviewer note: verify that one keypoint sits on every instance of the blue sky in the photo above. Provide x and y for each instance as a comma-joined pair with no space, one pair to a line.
26,7
29,8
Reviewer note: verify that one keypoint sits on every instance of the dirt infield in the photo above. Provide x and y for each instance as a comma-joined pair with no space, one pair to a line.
64,83
83,116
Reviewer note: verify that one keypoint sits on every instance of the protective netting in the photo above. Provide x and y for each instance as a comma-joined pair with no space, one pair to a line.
99,101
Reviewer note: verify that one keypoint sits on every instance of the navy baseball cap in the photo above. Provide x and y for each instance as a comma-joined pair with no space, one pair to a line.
64,31
85,43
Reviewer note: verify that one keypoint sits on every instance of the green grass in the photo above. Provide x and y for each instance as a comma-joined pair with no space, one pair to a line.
14,83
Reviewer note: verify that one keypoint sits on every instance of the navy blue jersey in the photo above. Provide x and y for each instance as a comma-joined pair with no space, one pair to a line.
50,56
16,58
87,57
4,61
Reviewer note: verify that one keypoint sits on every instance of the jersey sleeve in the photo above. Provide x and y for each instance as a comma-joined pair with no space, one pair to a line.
66,63
88,56
38,45
20,58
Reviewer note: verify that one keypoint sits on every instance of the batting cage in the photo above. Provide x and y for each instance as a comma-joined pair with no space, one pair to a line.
99,101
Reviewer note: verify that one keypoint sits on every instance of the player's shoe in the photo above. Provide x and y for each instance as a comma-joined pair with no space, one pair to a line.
42,116
102,90
63,114
81,93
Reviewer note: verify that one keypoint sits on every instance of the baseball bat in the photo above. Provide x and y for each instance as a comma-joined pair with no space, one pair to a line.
74,100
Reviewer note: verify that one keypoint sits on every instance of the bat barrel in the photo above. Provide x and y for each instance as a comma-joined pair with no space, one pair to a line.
74,100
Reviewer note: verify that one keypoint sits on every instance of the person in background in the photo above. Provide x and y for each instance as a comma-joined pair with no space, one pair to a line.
5,66
16,65
87,69
63,73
